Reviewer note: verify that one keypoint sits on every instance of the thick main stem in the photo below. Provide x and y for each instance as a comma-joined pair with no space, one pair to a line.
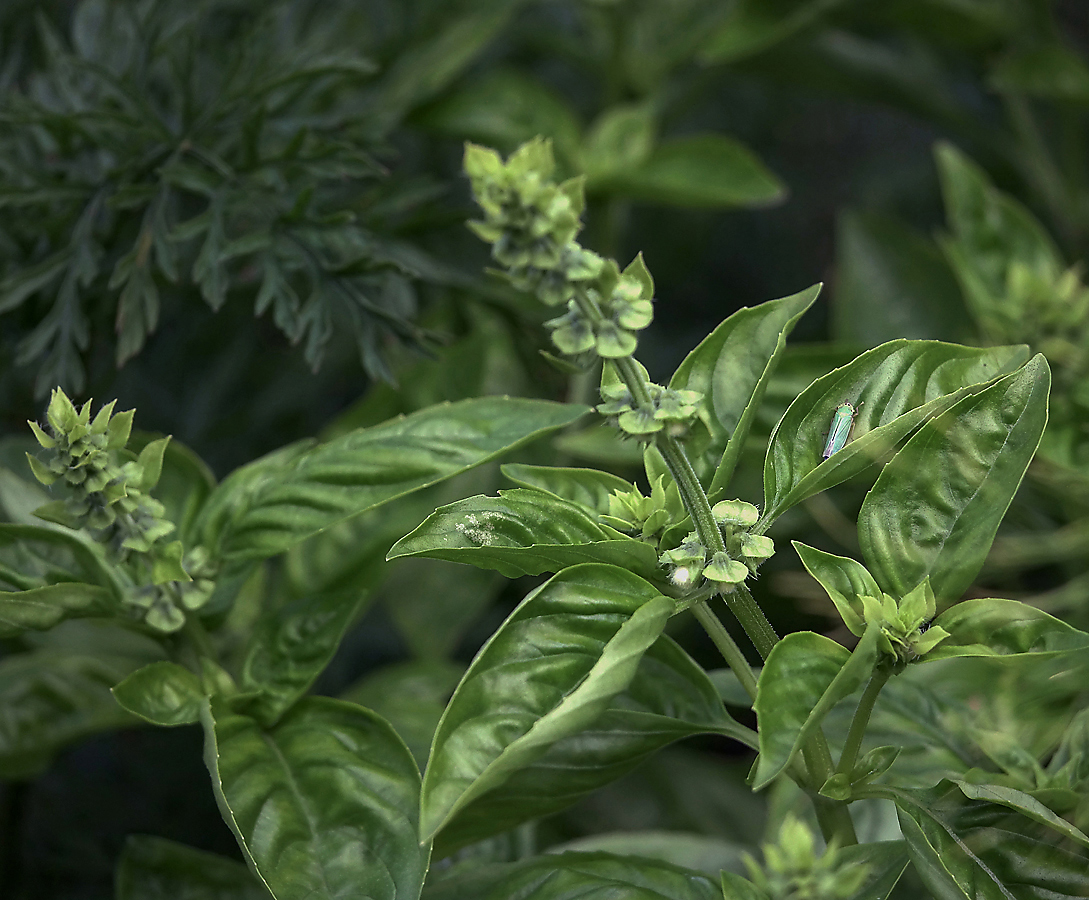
833,816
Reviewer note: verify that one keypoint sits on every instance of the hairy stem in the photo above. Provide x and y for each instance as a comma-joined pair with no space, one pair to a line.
726,645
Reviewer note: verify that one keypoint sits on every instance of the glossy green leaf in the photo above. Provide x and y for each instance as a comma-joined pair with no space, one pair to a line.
804,676
290,646
42,555
845,580
978,850
411,696
576,876
549,671
895,388
1023,803
893,282
589,488
702,171
50,698
937,504
41,608
731,367
277,501
524,532
324,805
994,627
687,849
162,693
670,697
153,868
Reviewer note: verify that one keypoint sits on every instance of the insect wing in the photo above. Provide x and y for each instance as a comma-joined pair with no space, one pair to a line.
842,421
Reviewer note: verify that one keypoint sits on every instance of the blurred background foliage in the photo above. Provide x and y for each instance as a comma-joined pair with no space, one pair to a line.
246,219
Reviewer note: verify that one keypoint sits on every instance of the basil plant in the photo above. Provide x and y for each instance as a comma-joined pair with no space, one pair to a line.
235,597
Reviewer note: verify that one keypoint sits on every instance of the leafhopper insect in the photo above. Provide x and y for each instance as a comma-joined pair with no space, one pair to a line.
840,429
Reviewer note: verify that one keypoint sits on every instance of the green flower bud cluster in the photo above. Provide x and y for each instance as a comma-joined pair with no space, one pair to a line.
670,410
793,871
646,517
108,493
727,568
905,633
531,221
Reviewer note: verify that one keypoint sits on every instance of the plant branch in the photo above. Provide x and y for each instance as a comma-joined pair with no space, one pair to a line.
861,719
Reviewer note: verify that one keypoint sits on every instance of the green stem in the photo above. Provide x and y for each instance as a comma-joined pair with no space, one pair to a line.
198,639
861,719
726,645
833,816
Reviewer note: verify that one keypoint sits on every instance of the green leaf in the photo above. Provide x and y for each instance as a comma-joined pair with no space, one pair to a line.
41,608
687,849
422,69
290,646
324,805
978,850
549,671
804,676
503,109
43,554
991,231
669,698
589,488
411,696
993,627
435,603
734,887
273,503
895,388
845,580
620,140
153,868
1023,803
163,693
892,282
1050,71
757,25
703,171
577,876
886,861
524,532
937,504
49,699
184,483
732,367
